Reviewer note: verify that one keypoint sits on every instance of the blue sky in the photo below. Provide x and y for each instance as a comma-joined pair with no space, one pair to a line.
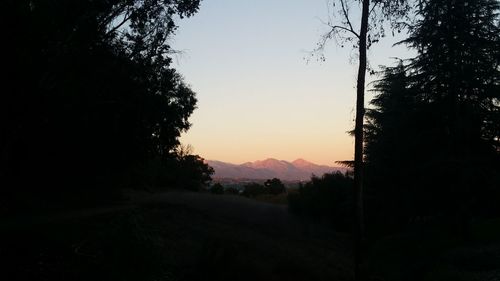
258,96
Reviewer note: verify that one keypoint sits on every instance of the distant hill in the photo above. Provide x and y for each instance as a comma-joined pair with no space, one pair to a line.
299,169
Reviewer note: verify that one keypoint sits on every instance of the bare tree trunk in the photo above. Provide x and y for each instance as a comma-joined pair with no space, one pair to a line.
358,141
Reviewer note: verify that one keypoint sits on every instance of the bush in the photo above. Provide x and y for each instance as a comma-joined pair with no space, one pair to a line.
253,189
183,171
217,189
275,186
327,197
232,190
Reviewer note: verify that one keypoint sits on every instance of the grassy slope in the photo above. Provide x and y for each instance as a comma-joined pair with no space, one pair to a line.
204,237
165,241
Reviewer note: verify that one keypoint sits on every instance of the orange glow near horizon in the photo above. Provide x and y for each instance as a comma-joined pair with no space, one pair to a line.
237,151
258,94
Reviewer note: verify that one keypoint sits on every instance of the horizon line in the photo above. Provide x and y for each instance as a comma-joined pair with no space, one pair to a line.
272,158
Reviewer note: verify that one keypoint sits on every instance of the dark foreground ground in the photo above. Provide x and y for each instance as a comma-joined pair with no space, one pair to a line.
173,236
199,236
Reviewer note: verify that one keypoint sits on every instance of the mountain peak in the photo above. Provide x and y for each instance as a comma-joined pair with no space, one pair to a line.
301,162
271,163
268,160
299,169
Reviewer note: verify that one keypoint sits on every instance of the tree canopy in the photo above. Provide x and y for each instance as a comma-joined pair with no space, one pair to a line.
432,145
89,93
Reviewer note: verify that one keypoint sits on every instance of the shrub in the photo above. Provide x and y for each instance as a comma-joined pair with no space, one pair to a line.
217,188
231,190
253,189
327,197
275,186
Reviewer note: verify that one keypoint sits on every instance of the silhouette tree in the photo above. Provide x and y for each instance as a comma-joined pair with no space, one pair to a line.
328,197
192,172
371,29
430,136
457,65
456,72
275,186
217,188
253,189
391,132
90,94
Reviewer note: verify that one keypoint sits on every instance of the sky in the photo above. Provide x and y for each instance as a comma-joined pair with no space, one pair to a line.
259,93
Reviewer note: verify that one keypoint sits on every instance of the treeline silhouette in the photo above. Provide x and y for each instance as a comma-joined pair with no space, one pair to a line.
327,198
432,155
272,186
432,147
432,136
90,102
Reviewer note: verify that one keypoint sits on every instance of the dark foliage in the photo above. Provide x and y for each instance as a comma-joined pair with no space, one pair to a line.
254,189
271,186
217,188
275,186
231,190
432,138
393,145
191,172
89,95
329,197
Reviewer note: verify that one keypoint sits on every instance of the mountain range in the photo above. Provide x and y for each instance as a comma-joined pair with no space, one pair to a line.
299,169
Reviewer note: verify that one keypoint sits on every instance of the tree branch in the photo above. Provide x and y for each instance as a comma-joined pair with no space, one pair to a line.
373,8
345,29
346,16
125,19
333,27
119,10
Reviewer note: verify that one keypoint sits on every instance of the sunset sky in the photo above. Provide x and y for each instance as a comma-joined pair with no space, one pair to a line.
258,96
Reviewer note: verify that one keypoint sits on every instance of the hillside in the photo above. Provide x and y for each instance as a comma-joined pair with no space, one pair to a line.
299,169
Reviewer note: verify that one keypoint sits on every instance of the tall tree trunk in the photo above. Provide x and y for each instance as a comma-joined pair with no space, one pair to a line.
358,141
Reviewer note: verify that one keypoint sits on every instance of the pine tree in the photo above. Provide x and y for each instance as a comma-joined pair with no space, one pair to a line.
433,134
457,68
389,147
